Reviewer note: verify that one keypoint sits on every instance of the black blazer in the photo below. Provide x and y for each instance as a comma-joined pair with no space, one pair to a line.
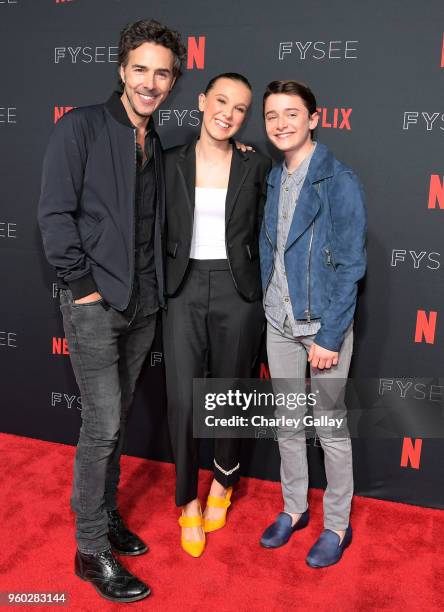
244,208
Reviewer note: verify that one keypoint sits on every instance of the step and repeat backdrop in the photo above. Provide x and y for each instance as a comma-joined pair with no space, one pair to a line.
377,69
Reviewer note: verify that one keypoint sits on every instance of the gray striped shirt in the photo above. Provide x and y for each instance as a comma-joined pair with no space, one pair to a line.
277,301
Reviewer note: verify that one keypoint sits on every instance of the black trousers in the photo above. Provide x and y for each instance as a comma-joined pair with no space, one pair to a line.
208,329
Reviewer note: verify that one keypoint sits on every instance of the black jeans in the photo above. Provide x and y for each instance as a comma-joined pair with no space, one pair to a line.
107,352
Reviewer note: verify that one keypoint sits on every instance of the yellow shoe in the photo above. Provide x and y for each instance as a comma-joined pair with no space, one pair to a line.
217,502
193,547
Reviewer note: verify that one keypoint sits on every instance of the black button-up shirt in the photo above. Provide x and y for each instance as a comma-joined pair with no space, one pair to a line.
144,294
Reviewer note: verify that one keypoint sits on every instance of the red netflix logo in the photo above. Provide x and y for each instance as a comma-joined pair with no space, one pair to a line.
59,346
264,371
196,53
426,326
411,453
436,192
59,111
442,52
336,118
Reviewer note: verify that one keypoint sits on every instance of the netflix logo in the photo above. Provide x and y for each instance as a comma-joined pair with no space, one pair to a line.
336,118
59,346
411,453
424,119
196,52
442,52
426,326
63,1
264,371
319,50
436,192
59,111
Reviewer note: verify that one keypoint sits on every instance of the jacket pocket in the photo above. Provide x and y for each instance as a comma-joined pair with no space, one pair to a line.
252,252
329,258
87,304
171,248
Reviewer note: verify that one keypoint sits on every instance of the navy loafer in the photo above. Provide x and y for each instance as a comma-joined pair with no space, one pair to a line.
327,550
279,532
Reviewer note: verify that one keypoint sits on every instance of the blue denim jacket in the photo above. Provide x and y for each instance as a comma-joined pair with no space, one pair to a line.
325,252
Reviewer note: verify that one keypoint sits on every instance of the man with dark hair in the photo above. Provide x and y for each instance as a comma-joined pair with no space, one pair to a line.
101,215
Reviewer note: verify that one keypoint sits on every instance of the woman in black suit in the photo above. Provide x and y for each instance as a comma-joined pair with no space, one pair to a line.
215,196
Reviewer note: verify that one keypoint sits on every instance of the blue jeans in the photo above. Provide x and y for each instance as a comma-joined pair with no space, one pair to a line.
107,351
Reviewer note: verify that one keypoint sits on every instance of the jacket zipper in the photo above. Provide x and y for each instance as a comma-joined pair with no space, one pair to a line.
308,310
330,259
158,222
327,252
133,220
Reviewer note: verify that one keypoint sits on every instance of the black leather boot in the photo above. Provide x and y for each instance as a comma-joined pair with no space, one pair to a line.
123,541
110,579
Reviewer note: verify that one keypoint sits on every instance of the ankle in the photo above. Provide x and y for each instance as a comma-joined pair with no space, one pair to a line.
340,533
192,508
294,517
217,490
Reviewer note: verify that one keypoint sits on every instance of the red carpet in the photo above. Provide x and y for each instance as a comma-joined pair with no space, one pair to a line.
394,563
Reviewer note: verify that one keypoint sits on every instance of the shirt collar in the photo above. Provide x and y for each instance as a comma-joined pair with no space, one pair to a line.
298,175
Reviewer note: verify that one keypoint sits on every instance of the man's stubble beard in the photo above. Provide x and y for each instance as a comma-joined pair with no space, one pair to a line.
134,109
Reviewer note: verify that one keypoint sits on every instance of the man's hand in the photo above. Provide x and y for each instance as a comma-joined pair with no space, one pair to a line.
92,297
322,358
243,147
